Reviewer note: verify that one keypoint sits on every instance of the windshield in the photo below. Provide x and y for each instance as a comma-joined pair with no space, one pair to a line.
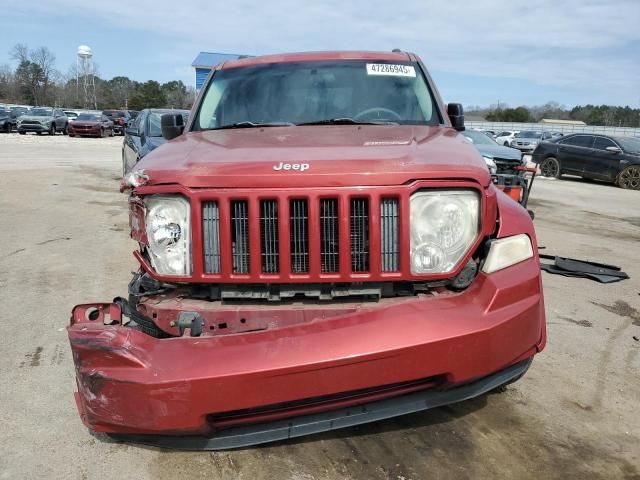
629,144
41,112
478,138
530,134
89,117
310,92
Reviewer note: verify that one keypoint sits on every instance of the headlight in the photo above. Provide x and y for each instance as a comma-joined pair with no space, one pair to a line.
508,251
168,225
444,225
491,165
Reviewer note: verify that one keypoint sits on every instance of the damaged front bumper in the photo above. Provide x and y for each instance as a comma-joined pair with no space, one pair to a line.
356,365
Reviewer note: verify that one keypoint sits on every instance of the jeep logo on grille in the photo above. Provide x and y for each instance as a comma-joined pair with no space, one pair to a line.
299,167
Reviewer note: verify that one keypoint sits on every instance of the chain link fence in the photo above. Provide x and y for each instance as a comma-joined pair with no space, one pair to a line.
565,129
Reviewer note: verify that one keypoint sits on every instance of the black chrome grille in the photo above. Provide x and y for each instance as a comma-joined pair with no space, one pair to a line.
299,233
269,249
329,239
240,236
359,221
389,238
211,234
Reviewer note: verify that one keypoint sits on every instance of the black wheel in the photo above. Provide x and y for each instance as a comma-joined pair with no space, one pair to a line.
550,167
629,178
22,133
7,128
65,130
52,129
506,144
72,135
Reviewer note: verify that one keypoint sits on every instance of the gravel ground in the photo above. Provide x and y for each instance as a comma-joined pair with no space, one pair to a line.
574,415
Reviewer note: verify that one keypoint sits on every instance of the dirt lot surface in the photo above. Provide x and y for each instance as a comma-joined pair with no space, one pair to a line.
576,414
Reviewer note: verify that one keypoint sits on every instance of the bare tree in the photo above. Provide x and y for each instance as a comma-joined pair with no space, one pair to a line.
45,60
20,52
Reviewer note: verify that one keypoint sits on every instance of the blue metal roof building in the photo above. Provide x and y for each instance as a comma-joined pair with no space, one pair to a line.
205,61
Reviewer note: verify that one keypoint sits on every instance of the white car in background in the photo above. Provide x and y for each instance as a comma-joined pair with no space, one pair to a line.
505,137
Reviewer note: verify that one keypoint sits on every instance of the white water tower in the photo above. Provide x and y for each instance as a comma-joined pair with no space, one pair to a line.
85,70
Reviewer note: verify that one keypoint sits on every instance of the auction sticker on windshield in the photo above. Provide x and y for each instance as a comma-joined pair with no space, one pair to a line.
391,69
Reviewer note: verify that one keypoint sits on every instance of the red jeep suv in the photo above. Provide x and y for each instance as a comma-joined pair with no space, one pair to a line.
319,247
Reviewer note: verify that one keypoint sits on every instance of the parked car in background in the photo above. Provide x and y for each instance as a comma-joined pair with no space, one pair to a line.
91,125
599,157
133,114
504,138
43,119
120,118
528,140
18,111
7,119
499,159
144,135
71,114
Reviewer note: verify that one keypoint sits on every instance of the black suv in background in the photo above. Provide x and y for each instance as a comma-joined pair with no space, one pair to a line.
7,120
599,157
120,118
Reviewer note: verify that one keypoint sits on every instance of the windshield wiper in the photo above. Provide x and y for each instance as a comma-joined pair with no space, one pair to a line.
347,121
247,124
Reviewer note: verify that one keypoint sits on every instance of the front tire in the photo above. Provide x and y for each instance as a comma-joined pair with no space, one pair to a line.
629,178
52,129
506,144
550,167
65,130
22,133
7,128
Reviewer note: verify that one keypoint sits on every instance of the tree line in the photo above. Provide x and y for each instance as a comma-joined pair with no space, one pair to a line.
602,115
35,80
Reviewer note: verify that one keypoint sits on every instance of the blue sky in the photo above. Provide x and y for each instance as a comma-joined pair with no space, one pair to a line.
479,52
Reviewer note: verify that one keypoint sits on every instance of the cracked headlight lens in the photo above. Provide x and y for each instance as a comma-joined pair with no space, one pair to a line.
444,224
168,227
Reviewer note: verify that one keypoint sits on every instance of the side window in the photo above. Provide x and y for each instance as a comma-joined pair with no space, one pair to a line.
138,122
602,143
579,141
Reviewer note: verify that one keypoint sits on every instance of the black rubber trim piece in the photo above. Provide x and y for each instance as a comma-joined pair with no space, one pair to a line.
249,435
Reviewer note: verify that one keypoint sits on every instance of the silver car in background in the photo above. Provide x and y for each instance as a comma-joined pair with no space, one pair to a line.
527,141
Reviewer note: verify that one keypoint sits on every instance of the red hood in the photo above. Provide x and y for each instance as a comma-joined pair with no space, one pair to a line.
85,123
336,156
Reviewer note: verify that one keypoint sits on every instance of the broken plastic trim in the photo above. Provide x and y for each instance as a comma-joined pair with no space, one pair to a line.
134,179
570,267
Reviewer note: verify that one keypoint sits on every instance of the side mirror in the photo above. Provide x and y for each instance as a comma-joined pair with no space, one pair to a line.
456,116
172,125
613,150
130,130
